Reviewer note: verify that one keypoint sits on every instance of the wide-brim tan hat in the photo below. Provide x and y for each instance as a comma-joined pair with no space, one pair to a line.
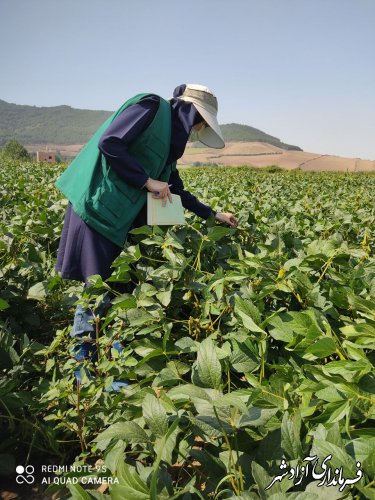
206,104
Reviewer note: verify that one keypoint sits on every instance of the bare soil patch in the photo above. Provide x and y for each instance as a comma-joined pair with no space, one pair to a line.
68,151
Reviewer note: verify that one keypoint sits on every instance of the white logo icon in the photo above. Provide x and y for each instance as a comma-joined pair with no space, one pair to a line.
28,478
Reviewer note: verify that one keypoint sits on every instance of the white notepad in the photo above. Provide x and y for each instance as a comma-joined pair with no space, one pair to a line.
172,213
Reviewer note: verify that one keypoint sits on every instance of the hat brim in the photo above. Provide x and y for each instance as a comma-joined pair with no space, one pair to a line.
210,136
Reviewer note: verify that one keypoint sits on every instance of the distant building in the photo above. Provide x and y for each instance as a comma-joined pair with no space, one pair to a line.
46,156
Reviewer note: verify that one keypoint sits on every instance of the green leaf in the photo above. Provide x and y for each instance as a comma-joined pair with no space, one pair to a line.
298,495
142,230
38,291
367,492
50,364
363,450
269,395
286,326
339,458
290,435
326,248
124,302
228,400
115,455
367,383
368,463
128,431
358,330
130,487
339,297
217,232
188,391
256,417
186,344
322,348
153,486
166,446
209,427
324,492
243,359
155,415
78,493
3,304
360,304
96,495
331,393
164,297
138,317
279,329
351,371
207,369
263,479
249,314
337,410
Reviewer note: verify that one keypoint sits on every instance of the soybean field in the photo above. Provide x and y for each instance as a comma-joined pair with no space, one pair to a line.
248,351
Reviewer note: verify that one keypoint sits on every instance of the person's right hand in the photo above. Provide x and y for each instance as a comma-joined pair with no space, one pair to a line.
160,190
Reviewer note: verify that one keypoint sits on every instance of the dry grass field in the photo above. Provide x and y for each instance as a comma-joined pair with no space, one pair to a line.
260,154
256,154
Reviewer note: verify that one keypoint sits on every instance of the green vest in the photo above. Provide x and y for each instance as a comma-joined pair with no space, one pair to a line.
98,195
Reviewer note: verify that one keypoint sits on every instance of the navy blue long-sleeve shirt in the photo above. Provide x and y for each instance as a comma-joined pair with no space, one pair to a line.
134,120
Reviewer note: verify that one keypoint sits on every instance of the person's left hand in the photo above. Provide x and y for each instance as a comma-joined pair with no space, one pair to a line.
227,217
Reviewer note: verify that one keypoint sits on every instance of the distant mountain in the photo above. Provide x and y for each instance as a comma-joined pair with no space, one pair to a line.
56,125
66,125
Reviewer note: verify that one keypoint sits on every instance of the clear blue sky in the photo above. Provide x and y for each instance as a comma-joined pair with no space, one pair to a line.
302,70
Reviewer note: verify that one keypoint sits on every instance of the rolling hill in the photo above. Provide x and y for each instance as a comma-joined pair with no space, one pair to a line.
233,132
66,125
58,124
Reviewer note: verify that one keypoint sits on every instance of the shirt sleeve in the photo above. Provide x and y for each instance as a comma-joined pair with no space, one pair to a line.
189,201
124,129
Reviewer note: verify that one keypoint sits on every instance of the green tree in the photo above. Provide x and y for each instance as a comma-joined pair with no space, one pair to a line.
13,150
